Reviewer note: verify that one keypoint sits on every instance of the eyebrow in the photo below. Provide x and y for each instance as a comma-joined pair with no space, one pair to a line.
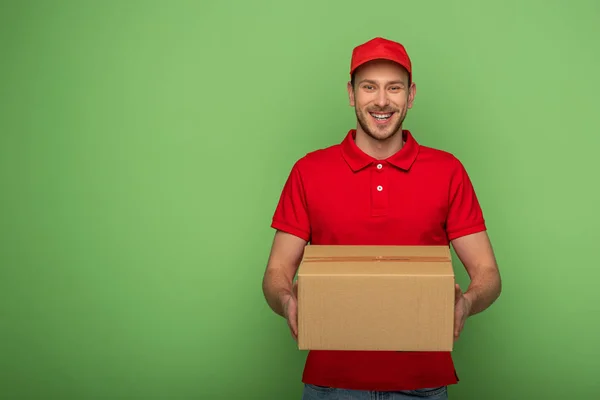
389,83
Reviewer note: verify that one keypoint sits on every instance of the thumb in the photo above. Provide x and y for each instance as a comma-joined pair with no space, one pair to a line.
293,318
457,292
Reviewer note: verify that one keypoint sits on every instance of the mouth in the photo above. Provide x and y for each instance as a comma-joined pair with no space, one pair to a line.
381,118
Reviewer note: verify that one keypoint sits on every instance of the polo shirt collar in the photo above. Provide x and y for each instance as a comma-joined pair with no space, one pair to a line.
357,159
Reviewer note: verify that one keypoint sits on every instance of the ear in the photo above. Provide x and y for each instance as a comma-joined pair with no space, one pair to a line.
412,91
351,94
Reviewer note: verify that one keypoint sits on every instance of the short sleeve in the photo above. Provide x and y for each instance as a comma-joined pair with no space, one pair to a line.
291,213
464,212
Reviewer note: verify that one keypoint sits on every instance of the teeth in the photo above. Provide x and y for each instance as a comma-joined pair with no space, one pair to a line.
381,116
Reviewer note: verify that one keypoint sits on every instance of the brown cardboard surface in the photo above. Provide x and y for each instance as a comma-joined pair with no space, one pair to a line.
376,298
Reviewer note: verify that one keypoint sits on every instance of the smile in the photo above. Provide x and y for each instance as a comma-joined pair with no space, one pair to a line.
381,117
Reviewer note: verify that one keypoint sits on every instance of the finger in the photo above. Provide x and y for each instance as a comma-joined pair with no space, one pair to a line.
457,321
457,330
293,328
292,324
457,292
293,332
456,325
293,318
459,324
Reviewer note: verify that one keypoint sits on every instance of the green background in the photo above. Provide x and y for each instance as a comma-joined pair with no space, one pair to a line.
143,147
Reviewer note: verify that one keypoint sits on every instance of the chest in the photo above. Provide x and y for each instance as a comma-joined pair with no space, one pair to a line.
378,206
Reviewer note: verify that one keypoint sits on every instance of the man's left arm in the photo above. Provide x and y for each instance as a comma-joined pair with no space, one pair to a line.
476,254
467,233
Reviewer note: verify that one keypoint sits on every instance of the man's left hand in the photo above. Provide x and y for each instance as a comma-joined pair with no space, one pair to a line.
462,309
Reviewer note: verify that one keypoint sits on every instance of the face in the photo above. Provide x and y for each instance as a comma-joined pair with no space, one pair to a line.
381,97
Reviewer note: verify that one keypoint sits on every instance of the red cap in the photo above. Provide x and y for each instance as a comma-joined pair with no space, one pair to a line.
380,48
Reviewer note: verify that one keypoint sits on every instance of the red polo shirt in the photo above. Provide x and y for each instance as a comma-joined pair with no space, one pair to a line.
341,196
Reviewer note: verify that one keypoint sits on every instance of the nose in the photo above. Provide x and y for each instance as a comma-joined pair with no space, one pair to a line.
382,99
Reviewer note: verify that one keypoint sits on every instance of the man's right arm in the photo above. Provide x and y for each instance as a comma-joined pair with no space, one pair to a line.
284,259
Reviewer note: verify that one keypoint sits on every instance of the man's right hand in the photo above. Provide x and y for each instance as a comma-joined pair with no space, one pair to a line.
279,287
290,309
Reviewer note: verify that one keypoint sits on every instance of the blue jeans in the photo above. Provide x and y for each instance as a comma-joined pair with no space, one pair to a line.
312,392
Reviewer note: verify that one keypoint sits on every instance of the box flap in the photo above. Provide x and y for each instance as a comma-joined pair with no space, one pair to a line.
312,251
376,260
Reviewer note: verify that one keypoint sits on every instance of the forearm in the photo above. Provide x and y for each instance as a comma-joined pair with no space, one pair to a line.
277,286
483,292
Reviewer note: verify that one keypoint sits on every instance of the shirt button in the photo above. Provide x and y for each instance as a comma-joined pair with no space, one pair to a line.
379,188
379,166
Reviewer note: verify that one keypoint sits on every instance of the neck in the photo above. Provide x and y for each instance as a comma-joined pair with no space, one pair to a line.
379,149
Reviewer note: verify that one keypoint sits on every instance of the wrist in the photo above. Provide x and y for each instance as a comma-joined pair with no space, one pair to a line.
284,297
469,300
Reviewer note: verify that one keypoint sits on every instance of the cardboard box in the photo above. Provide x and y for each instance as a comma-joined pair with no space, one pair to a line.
376,298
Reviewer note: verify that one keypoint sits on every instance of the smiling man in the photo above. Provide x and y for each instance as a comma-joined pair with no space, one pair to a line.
379,186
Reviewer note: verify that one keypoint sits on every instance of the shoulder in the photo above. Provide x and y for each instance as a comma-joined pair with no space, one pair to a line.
315,160
435,154
439,159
